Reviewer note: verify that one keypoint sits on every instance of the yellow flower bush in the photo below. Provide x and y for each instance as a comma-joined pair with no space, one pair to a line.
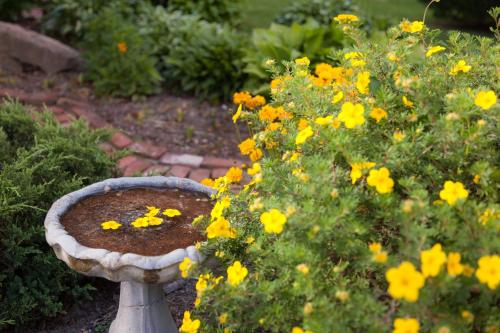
363,212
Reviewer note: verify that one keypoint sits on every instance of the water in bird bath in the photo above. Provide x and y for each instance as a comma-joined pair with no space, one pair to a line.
84,220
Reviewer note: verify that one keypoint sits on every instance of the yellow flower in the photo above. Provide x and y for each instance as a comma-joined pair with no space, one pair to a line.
303,135
273,221
488,215
234,175
476,179
268,113
188,325
303,268
247,146
122,47
202,283
452,192
255,102
468,270
219,207
346,18
381,180
380,257
255,155
237,115
433,50
352,114
185,266
208,182
415,26
241,97
375,247
378,114
432,260
407,102
406,325
488,271
236,273
324,120
110,225
250,240
342,295
404,282
172,212
337,97
303,61
152,211
468,316
220,228
453,264
223,318
255,169
153,220
303,123
357,168
460,66
141,222
392,57
485,99
398,136
356,59
363,82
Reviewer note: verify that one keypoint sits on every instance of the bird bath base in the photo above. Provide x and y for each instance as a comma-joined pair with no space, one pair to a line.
143,309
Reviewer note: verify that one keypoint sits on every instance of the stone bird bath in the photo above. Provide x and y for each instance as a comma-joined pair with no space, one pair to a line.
142,307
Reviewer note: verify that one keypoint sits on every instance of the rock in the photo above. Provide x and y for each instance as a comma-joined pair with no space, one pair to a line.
25,46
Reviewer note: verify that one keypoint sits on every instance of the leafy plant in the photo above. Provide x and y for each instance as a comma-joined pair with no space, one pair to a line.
45,161
120,60
12,9
284,43
321,11
221,11
373,204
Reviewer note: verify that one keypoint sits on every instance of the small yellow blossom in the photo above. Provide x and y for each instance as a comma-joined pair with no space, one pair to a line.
223,318
378,114
208,182
357,168
170,212
460,66
220,228
255,169
247,146
185,266
255,155
337,97
488,271
381,180
432,260
273,221
352,115
380,257
399,136
234,175
324,120
452,192
346,18
485,99
468,270
476,179
303,135
250,240
406,325
488,215
303,61
237,114
415,26
363,81
236,273
453,264
255,102
433,50
405,282
113,225
392,57
241,97
152,211
188,325
268,113
342,295
468,316
407,102
303,268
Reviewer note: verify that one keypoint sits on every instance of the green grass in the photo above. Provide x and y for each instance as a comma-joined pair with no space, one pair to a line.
395,10
260,13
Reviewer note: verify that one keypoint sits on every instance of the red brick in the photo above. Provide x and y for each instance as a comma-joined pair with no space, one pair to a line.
199,174
180,171
108,148
156,169
41,97
126,161
147,149
68,102
182,159
63,118
13,93
56,110
120,140
136,167
219,172
90,116
217,162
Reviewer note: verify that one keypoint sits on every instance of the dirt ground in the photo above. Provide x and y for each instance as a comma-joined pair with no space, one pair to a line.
182,124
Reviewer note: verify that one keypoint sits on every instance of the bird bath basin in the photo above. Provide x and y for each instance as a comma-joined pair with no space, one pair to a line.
140,258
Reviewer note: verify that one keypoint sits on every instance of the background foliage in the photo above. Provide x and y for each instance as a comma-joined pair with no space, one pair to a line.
39,162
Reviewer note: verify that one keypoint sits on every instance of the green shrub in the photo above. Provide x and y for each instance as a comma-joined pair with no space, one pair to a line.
221,11
376,203
195,56
284,43
120,60
44,161
321,11
465,12
12,9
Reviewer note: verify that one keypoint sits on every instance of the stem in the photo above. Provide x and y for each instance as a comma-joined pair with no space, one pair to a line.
426,8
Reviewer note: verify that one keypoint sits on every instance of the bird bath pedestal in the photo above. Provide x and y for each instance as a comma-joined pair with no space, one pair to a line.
142,308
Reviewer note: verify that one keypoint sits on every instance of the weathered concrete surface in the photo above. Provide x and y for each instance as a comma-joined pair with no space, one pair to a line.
19,45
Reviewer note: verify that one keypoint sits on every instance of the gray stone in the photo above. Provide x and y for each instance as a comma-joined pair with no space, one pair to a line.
25,46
